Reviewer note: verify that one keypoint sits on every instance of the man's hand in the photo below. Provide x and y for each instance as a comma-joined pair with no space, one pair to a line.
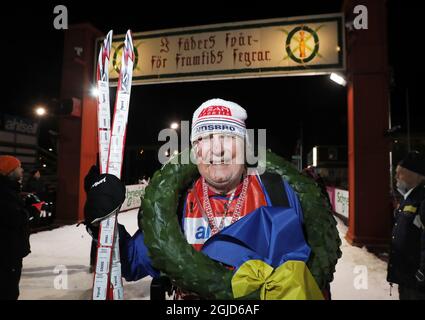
104,197
91,177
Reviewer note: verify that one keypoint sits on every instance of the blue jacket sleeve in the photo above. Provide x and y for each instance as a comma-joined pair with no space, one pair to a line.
135,261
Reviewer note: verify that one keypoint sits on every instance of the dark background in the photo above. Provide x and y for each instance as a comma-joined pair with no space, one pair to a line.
32,59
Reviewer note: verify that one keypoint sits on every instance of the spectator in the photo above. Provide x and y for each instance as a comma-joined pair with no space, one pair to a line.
36,184
14,227
406,265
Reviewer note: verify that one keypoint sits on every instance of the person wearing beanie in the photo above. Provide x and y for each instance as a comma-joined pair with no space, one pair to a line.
406,265
223,196
11,166
14,227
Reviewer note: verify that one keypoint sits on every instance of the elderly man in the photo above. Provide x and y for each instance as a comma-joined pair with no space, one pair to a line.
225,195
406,265
14,227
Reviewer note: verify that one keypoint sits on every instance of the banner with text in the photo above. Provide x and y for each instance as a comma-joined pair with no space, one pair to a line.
277,47
133,196
339,200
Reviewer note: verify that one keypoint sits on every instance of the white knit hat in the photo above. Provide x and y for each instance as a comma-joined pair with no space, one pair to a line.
218,116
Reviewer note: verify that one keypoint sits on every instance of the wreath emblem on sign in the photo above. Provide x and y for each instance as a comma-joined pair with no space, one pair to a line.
116,58
195,272
299,46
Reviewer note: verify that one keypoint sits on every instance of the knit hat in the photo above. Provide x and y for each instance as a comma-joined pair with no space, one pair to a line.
414,161
218,116
8,164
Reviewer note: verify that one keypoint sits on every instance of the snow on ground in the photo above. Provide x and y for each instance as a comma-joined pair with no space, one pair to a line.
58,268
360,275
66,251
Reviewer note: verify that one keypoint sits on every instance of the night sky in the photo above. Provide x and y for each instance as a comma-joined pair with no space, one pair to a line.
32,57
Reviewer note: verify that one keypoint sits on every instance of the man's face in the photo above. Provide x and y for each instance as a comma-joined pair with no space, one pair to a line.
220,160
17,174
37,175
406,179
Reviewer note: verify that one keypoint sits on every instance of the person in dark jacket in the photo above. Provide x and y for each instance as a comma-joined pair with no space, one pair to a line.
14,227
36,184
406,265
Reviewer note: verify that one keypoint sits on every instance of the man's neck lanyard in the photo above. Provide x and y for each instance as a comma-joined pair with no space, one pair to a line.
207,209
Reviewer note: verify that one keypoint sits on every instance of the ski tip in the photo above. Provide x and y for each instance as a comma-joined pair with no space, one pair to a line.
108,41
129,37
129,44
108,38
99,63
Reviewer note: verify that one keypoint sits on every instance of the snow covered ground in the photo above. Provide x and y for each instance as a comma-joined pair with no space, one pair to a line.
58,268
360,275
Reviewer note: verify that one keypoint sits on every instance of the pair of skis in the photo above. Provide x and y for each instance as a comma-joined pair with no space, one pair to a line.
107,284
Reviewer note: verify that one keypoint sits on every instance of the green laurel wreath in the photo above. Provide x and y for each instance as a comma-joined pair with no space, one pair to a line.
195,272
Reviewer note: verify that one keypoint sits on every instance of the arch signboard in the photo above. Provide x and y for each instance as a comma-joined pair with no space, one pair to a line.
263,48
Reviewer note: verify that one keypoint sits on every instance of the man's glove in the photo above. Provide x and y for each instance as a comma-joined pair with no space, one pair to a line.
91,177
104,197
